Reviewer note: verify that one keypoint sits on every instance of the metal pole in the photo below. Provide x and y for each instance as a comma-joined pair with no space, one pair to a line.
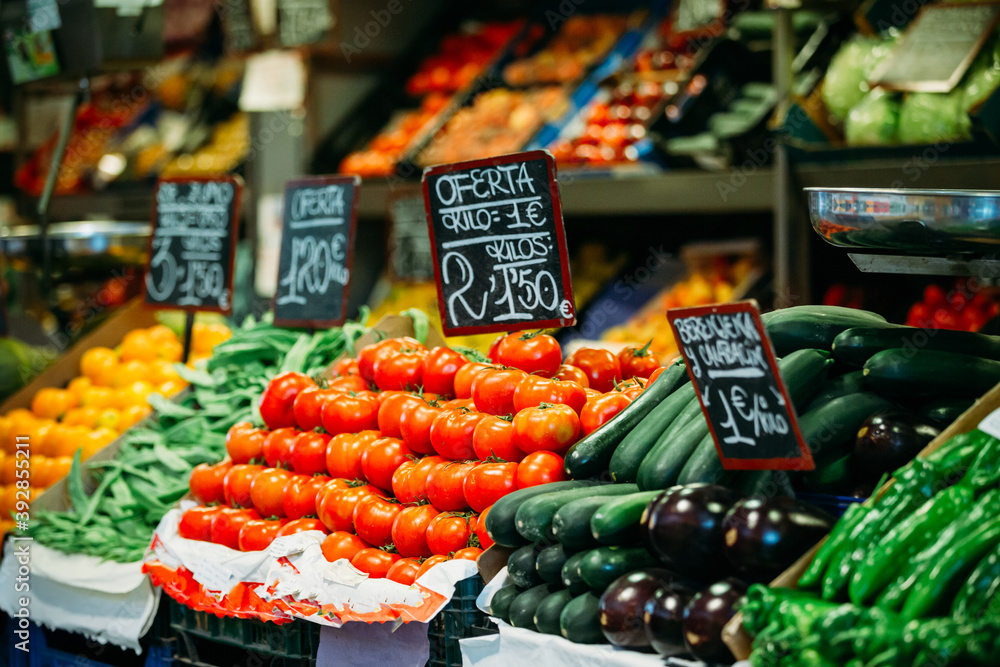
781,65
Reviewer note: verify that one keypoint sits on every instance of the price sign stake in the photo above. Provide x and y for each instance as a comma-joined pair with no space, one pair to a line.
499,244
731,364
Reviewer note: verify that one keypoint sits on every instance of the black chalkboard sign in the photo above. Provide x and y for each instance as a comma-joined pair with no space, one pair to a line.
499,245
193,244
731,363
237,26
317,250
302,22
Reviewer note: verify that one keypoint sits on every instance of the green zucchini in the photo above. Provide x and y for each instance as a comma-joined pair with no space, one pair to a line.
571,523
749,483
804,373
590,456
522,608
664,462
803,327
945,411
834,426
624,465
857,345
617,520
571,577
534,516
705,466
601,566
500,524
521,566
580,620
550,561
549,610
843,385
500,604
915,373
829,477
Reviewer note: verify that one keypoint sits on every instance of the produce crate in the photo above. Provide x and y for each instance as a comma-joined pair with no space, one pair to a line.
461,618
57,648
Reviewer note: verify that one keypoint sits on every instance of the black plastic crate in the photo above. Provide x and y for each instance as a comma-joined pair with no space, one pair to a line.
460,619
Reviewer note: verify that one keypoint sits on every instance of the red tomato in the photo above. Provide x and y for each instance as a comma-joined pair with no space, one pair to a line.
267,492
458,404
415,426
533,391
374,562
945,319
277,447
257,534
244,443
632,391
336,510
404,571
468,553
373,517
494,436
346,366
593,393
449,532
572,374
409,530
444,485
638,362
493,391
308,407
300,495
369,356
380,460
550,427
328,487
417,479
431,562
540,468
655,374
440,367
196,523
300,526
227,524
488,483
401,482
342,544
451,434
599,411
347,385
935,296
391,410
600,366
343,453
531,352
350,414
484,539
278,399
464,377
308,455
237,484
208,483
492,354
403,371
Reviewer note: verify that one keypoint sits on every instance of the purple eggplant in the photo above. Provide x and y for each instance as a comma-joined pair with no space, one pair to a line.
888,440
683,528
664,618
764,537
705,616
623,604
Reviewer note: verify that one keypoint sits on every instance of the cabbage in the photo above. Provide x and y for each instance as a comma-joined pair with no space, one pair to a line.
874,121
846,81
926,118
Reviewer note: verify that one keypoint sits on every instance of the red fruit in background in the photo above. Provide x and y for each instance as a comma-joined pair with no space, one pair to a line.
934,296
308,455
277,447
493,390
946,319
346,366
601,409
301,526
404,571
449,532
257,534
300,495
380,460
308,407
452,432
196,523
237,484
267,491
485,541
409,530
550,427
638,362
445,485
278,399
600,366
440,367
572,374
342,544
533,391
374,562
391,410
494,436
244,443
466,375
417,479
350,414
536,353
415,426
343,454
468,553
489,482
208,483
540,468
373,517
227,524
336,509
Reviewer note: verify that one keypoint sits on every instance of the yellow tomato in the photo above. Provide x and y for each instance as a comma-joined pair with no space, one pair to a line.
21,421
85,416
99,397
170,387
133,394
161,334
62,440
59,467
8,473
37,433
133,415
40,472
137,345
172,351
51,403
162,370
110,419
79,386
8,500
204,337
99,365
131,371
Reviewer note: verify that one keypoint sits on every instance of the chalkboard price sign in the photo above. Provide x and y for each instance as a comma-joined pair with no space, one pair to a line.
317,248
498,244
731,363
193,244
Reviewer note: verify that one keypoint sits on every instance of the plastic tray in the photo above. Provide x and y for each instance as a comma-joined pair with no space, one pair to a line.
460,619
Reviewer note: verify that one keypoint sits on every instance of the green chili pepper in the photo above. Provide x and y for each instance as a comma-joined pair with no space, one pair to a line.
832,546
974,595
984,472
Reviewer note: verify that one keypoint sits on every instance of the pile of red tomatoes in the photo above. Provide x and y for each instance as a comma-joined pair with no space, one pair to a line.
399,457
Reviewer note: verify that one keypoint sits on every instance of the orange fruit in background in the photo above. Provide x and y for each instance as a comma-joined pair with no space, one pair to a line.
109,418
204,337
40,472
4,427
36,434
59,467
161,334
8,500
99,397
171,351
79,386
8,470
51,403
21,421
138,345
99,365
170,387
63,440
133,415
131,371
133,394
162,370
85,416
